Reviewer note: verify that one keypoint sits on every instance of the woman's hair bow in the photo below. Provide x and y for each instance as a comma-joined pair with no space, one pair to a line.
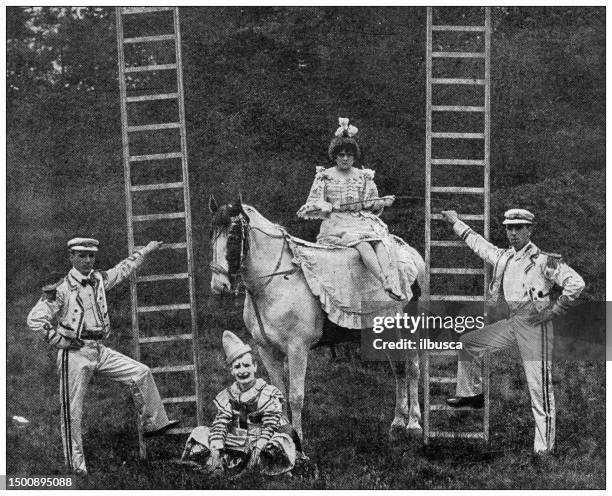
345,129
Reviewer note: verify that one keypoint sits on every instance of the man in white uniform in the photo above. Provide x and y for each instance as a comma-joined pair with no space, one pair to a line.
72,316
522,279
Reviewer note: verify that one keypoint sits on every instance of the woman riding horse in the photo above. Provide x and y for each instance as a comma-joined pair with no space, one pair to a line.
346,198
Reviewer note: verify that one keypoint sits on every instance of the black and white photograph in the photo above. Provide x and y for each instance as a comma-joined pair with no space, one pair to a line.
305,247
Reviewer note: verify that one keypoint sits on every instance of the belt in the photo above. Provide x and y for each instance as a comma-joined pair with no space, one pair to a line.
92,335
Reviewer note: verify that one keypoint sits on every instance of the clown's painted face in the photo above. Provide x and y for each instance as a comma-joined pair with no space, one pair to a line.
243,371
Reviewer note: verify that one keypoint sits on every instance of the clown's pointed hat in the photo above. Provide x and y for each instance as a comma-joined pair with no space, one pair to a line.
234,347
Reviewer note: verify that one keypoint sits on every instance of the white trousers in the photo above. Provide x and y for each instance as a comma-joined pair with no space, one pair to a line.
535,344
77,367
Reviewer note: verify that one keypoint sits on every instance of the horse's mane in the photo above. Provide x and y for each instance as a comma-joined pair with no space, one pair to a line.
262,222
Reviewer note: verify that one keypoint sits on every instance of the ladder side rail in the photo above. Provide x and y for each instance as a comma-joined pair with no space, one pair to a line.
127,175
428,117
487,208
487,121
486,382
142,447
187,206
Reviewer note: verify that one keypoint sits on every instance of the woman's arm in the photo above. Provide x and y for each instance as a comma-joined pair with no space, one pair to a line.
316,206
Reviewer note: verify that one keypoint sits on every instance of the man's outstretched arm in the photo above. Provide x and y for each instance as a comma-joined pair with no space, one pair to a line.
485,250
123,269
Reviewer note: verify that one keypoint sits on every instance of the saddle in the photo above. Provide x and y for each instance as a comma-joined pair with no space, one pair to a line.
349,293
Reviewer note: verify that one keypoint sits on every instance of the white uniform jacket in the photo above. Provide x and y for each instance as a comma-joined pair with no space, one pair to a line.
61,314
541,271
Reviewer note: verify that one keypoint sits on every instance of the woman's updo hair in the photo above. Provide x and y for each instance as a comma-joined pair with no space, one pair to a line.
344,140
341,143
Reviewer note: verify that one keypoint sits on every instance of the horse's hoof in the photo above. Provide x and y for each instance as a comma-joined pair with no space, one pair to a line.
396,432
414,432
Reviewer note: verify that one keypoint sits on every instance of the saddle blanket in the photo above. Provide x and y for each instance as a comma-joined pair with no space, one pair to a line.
349,293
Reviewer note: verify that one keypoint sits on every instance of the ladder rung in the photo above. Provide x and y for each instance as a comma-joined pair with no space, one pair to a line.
155,156
163,308
154,127
147,98
447,243
143,10
153,67
442,380
458,135
457,81
453,270
456,161
149,39
457,28
446,408
451,435
462,217
459,189
151,187
457,108
163,339
459,55
167,246
173,215
173,368
162,277
456,298
180,399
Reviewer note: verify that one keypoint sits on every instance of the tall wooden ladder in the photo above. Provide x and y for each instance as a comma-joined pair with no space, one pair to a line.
455,109
143,85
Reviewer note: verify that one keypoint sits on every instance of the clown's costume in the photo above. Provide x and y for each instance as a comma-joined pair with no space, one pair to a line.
249,430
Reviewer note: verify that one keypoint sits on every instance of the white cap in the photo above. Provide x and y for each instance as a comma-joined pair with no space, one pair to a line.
83,244
518,216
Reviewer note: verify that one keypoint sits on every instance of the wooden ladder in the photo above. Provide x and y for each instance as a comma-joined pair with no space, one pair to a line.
448,108
133,192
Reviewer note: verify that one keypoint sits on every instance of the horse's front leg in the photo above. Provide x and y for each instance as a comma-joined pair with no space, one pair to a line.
297,358
398,426
413,375
273,361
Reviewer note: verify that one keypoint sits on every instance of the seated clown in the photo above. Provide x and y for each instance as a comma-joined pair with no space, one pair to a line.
249,431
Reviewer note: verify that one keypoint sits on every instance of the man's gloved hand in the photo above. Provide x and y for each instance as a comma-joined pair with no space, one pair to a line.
450,216
151,246
545,315
69,344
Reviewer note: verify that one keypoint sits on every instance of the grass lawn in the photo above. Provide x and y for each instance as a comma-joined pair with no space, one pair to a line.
348,411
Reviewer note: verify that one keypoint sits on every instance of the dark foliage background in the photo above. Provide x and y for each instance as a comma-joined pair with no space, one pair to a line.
264,87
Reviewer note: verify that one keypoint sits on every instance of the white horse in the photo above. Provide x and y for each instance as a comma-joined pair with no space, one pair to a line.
283,316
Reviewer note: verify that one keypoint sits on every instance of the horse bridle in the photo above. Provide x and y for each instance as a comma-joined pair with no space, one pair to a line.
236,250
238,243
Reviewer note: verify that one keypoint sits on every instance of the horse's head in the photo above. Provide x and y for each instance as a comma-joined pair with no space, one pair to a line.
229,238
